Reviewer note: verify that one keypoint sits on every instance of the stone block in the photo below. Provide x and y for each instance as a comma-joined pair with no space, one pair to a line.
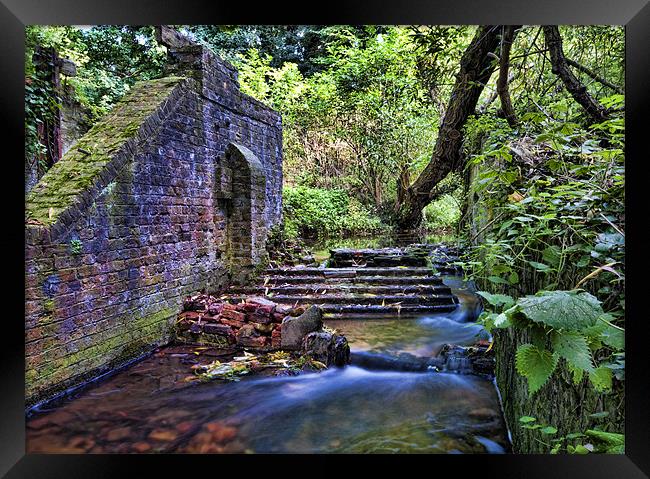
295,329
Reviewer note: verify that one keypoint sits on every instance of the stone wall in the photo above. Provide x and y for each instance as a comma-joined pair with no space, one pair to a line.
171,193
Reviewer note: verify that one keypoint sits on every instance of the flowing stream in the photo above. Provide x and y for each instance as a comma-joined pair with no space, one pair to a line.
150,408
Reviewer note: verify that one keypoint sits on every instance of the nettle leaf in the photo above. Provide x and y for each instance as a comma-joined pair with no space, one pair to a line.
614,338
576,372
612,442
501,321
574,349
567,310
601,379
535,364
552,255
497,299
497,280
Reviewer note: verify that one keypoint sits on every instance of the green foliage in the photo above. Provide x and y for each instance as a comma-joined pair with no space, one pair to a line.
601,378
76,246
314,212
109,59
574,349
358,121
576,328
442,214
561,310
591,441
498,300
535,364
609,442
303,45
548,214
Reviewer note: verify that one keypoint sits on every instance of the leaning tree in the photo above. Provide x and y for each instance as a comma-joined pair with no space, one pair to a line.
489,49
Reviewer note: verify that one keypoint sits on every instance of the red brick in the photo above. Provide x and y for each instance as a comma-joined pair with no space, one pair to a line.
234,315
231,322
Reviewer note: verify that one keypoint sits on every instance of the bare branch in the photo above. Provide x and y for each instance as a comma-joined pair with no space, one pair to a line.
560,67
594,76
509,32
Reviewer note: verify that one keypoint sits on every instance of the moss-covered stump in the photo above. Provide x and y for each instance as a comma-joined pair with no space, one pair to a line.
559,403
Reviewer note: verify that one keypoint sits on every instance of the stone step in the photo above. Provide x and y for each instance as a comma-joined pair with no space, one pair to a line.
345,258
341,288
378,261
448,269
356,299
350,272
345,311
386,280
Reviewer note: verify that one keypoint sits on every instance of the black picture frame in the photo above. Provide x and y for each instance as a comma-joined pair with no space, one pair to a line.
14,14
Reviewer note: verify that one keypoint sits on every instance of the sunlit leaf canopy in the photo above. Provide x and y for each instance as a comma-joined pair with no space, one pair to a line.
360,104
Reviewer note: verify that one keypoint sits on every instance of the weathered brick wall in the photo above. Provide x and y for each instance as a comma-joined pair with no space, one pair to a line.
138,214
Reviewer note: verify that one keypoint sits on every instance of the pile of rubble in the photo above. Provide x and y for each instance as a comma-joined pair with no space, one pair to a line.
262,325
254,323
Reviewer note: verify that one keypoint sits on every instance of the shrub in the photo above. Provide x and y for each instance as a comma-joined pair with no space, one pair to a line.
317,212
442,214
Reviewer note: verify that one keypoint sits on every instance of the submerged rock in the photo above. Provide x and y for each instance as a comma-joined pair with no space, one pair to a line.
452,358
472,359
328,348
401,362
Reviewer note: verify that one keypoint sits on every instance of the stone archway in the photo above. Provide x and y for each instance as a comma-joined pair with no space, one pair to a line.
246,231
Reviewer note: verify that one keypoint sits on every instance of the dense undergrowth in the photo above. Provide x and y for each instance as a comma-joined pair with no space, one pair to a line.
318,213
547,244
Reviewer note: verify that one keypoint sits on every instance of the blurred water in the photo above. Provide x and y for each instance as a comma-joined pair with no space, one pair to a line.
149,408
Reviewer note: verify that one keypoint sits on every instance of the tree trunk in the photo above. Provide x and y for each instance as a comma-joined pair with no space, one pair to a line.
560,67
476,67
509,33
558,403
403,182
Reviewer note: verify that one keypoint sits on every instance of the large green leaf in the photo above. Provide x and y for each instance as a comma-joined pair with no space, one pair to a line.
613,337
574,349
535,364
497,299
567,310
